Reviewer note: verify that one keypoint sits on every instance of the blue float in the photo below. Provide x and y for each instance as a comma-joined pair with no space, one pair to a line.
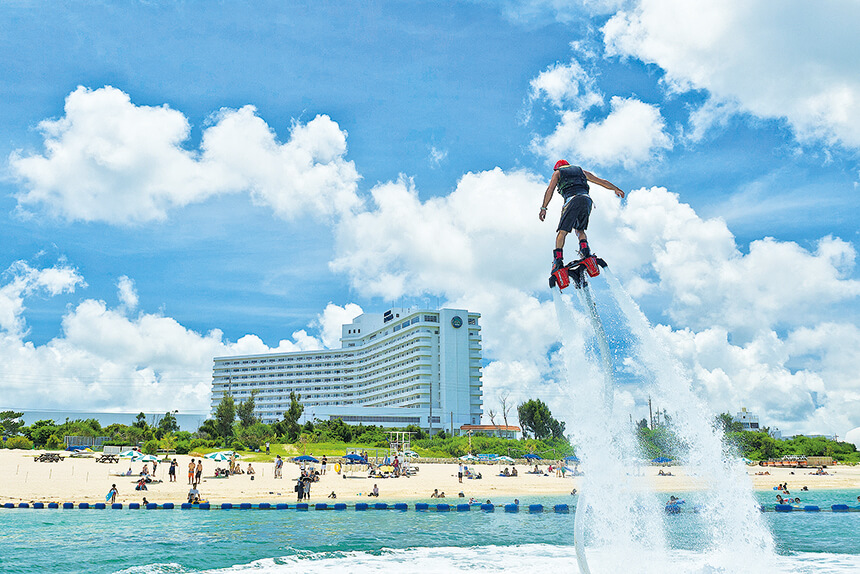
783,507
84,505
245,506
303,506
134,505
562,509
380,506
264,506
226,506
535,508
38,505
443,507
811,508
401,506
839,508
9,505
463,508
320,506
23,505
421,506
204,506
361,506
168,506
281,506
512,508
99,506
488,508
116,506
68,505
151,506
53,505
186,506
340,506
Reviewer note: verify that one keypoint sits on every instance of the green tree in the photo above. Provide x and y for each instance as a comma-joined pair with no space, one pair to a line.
537,420
140,422
21,442
168,424
727,423
225,414
40,431
245,411
11,422
289,425
209,428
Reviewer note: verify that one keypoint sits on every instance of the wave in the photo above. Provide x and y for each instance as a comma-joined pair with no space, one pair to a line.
442,560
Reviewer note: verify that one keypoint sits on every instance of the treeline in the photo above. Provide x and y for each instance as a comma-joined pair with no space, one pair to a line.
755,445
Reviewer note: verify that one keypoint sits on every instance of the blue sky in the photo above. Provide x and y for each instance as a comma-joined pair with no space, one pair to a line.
422,95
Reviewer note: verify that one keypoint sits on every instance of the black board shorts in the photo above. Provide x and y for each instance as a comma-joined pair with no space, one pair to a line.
574,214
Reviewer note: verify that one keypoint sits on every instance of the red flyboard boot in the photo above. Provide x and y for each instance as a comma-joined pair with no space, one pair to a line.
562,278
591,266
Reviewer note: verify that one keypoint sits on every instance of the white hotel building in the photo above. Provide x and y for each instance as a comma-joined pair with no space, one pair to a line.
401,367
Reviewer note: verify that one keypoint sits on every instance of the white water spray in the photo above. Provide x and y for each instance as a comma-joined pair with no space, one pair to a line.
623,521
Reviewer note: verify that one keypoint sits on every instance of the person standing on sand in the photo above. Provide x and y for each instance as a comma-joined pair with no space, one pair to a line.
199,473
112,493
191,468
171,472
460,472
324,463
571,181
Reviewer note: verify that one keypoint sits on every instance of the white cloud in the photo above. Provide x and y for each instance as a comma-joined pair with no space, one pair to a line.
748,55
106,360
528,11
566,85
110,160
330,321
632,133
126,293
437,156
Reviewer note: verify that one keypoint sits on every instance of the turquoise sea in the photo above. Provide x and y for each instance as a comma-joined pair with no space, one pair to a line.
179,541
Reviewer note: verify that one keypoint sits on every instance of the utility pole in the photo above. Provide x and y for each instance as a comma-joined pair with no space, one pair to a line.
650,414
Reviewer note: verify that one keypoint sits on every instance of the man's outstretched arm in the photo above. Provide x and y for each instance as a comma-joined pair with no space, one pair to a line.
607,184
547,196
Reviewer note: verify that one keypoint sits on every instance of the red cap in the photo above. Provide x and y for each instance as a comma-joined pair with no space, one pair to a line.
560,163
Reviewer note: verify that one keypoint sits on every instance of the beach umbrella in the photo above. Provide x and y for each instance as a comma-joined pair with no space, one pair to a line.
571,458
305,458
129,454
469,457
221,456
352,457
532,457
504,459
488,456
147,458
661,459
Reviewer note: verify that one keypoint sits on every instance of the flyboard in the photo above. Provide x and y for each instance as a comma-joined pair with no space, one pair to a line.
578,272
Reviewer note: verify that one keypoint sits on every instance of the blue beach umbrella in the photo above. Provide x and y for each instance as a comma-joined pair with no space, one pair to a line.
532,457
352,457
661,459
304,458
571,458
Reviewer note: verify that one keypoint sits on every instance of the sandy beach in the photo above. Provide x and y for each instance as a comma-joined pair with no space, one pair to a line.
83,480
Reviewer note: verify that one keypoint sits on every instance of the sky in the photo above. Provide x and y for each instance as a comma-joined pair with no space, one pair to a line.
185,180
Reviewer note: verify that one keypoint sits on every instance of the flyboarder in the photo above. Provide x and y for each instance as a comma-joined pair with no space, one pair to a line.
572,183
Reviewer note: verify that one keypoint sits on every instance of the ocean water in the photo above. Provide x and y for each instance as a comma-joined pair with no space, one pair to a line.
177,541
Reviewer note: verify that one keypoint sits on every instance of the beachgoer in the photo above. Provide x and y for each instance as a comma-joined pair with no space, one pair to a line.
279,465
194,495
571,181
145,501
332,495
460,472
171,472
141,484
461,495
112,493
267,447
145,470
324,463
300,490
517,501
198,474
250,469
154,467
191,468
442,494
513,471
488,501
375,491
435,493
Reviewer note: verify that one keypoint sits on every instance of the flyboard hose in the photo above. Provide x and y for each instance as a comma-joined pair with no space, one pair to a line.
587,301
